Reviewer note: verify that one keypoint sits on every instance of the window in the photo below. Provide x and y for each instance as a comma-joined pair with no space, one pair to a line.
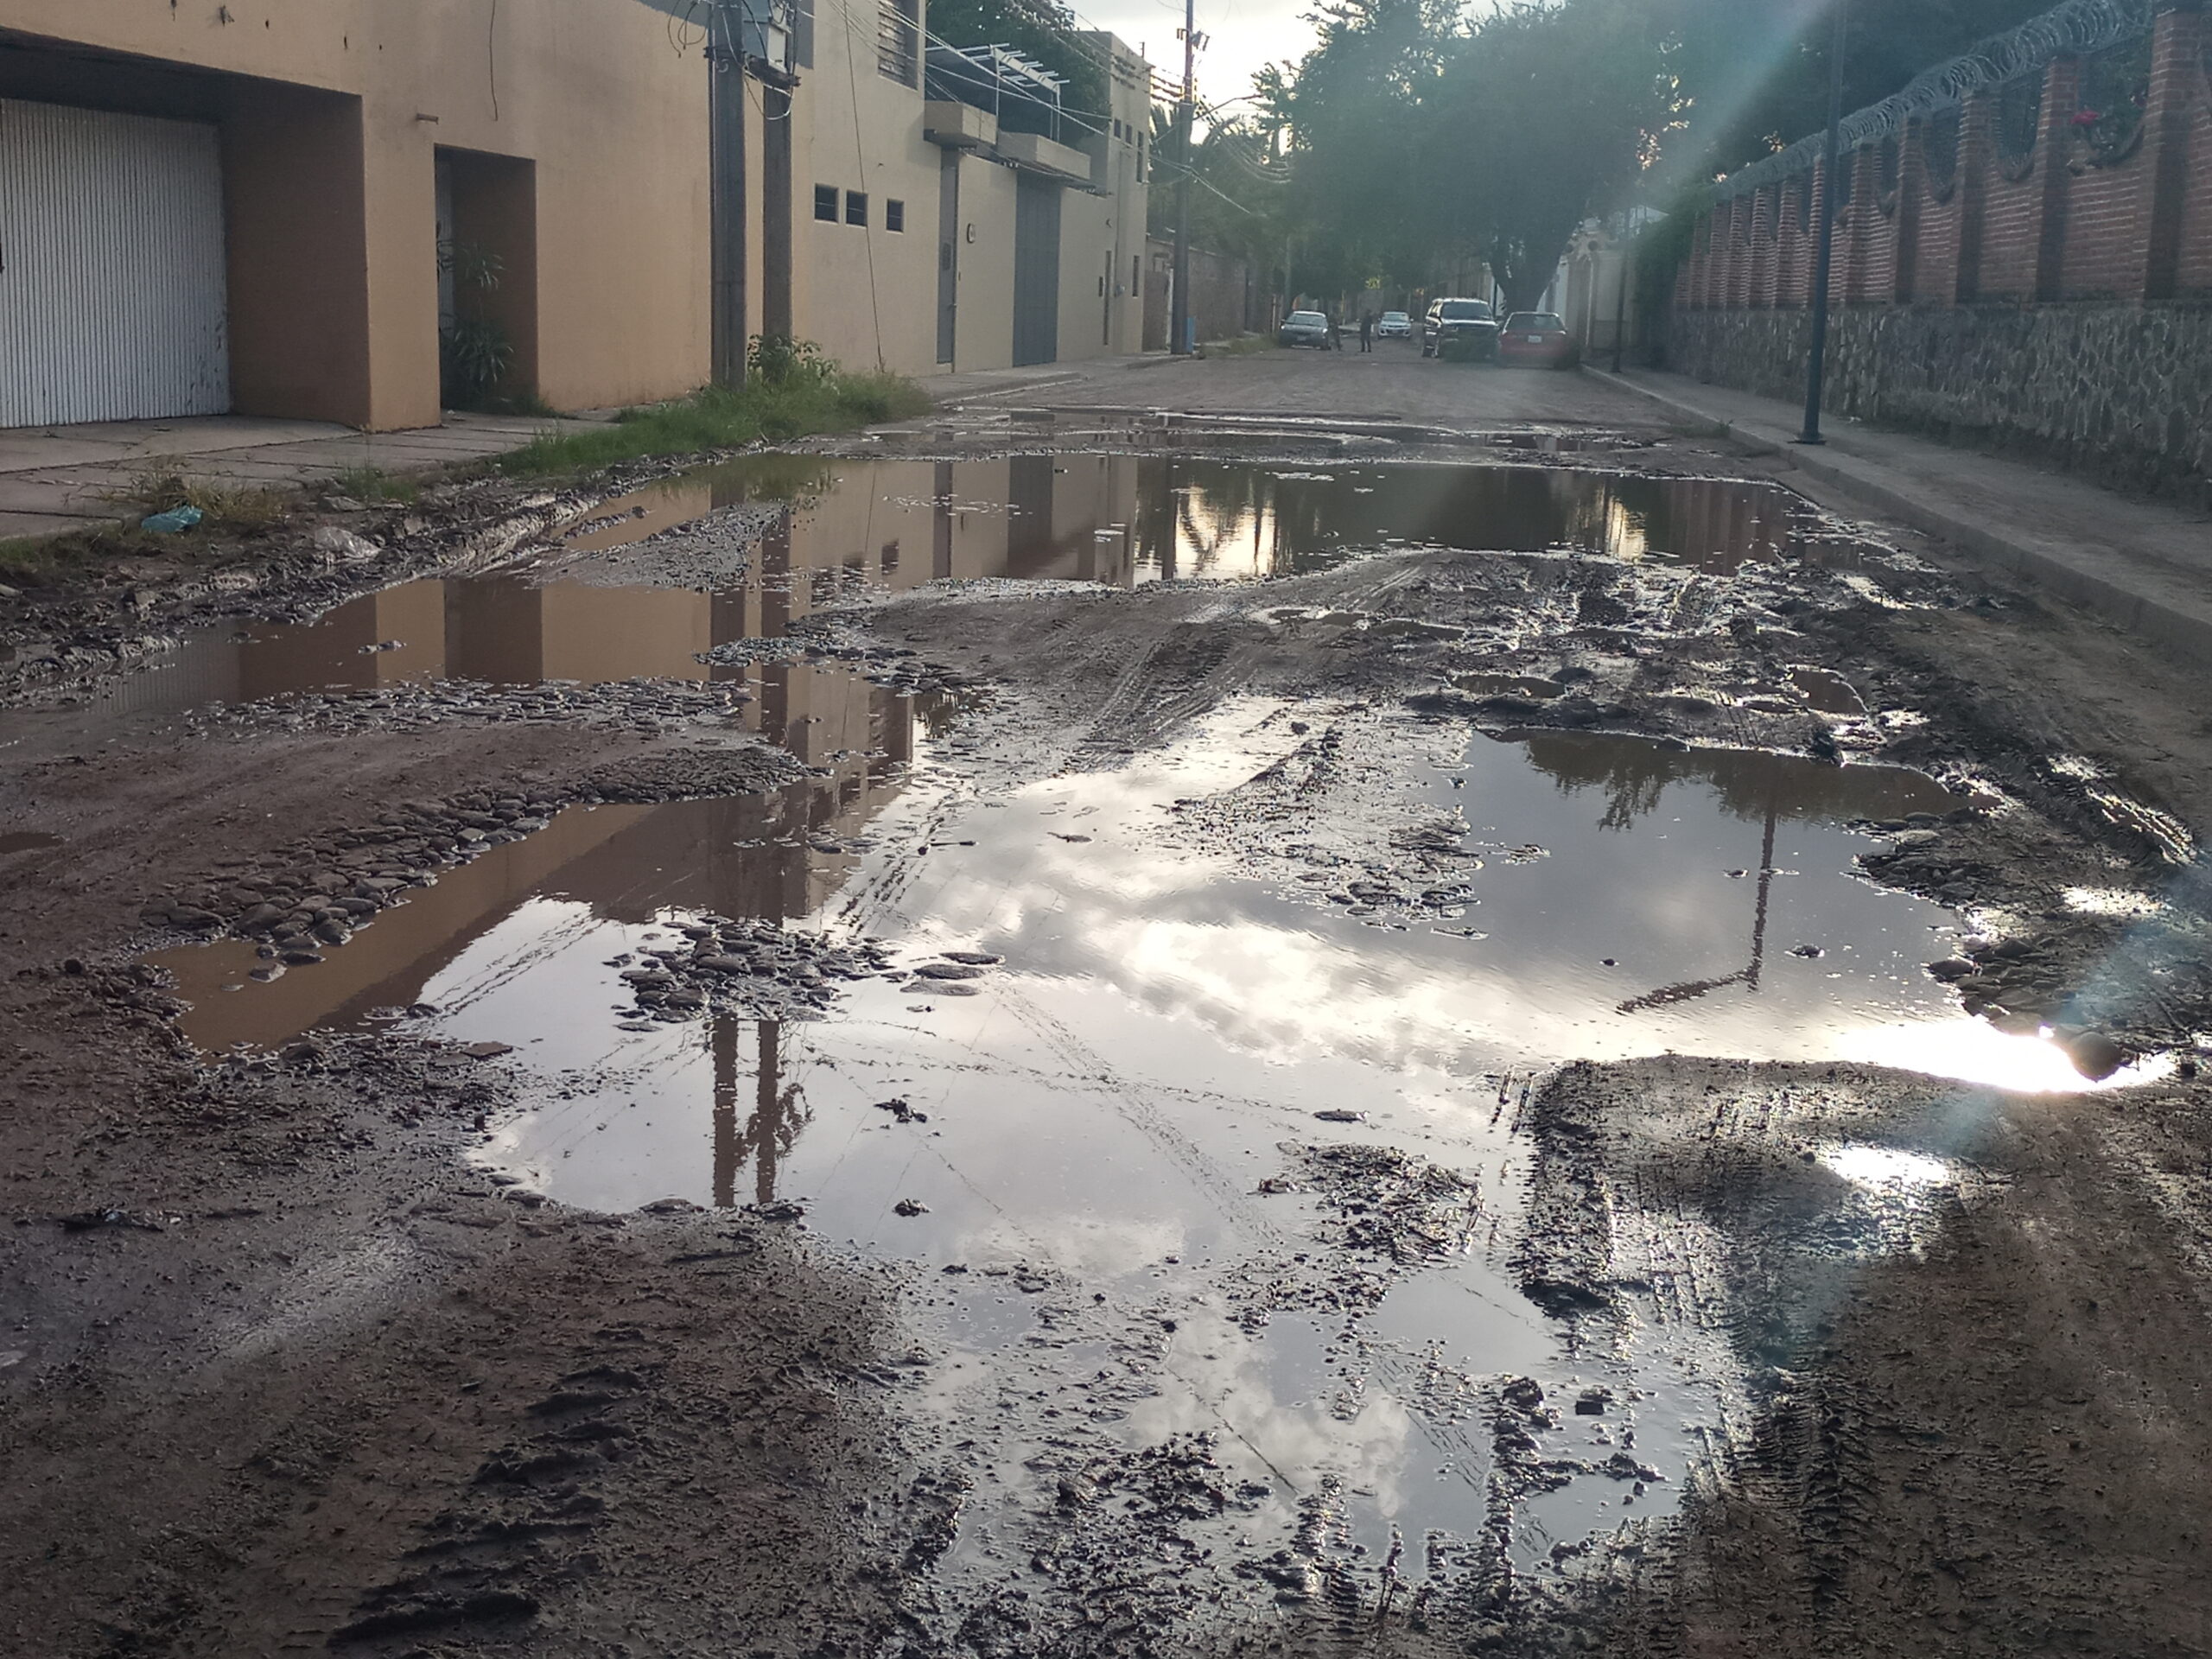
1117,126
899,39
857,207
894,214
825,202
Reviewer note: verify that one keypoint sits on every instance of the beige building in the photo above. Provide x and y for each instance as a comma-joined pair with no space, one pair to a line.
277,207
240,206
932,236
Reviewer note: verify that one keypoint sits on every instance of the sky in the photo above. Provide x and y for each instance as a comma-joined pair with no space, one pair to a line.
1242,35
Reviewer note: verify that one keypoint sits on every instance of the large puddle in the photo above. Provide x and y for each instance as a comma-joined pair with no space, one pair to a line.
812,532
1124,1074
1124,519
1115,1105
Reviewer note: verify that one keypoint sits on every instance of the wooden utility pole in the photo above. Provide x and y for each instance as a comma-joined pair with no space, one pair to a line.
726,119
1179,310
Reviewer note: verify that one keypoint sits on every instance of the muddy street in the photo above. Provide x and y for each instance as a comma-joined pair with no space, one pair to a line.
1106,1026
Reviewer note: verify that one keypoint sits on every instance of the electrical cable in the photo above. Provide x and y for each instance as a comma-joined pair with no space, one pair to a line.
860,159
492,57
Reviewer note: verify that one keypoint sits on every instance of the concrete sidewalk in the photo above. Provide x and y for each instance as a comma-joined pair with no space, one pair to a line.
2144,565
57,478
950,390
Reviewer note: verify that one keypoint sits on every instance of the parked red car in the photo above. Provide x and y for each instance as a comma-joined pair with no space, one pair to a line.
1537,339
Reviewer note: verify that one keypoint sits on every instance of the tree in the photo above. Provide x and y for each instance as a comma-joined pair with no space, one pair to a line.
1418,139
1042,29
1754,74
1547,114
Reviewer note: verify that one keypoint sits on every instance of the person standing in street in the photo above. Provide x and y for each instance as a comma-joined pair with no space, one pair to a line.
1367,331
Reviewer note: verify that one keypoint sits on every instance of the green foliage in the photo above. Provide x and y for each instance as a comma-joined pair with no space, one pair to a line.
162,484
1043,29
720,418
474,352
1755,73
474,269
1546,118
1422,139
371,484
780,361
474,356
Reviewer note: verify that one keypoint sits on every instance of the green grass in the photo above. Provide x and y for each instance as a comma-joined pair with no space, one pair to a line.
371,484
26,558
718,419
164,484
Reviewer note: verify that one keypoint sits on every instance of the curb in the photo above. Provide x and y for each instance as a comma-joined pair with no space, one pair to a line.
2188,632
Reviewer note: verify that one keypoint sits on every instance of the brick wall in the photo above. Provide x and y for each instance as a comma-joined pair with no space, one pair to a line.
2031,271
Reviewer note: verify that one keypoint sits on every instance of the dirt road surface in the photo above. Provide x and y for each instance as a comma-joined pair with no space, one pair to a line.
1295,1005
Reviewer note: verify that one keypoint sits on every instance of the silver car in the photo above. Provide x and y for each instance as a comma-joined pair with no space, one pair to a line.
1304,328
1394,325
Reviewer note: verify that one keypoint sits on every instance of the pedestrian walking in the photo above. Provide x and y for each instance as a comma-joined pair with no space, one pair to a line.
1336,335
1367,331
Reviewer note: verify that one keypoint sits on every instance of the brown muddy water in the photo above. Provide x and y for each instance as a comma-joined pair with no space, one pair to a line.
811,532
1125,519
1140,1112
1122,1103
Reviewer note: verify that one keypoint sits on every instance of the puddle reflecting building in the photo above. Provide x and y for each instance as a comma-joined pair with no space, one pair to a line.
772,857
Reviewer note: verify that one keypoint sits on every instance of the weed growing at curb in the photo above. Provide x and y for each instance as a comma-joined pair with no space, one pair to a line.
373,484
718,419
164,485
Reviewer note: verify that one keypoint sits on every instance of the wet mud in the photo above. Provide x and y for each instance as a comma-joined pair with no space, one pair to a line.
1073,1053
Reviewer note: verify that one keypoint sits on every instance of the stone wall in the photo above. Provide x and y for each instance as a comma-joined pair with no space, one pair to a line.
2123,392
1224,298
2028,268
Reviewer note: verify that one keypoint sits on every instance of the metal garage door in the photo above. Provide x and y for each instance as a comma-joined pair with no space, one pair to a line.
111,292
1036,272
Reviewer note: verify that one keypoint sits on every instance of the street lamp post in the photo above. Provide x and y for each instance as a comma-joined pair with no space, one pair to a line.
1817,363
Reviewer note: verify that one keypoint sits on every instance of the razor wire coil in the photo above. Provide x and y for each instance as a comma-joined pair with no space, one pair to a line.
2078,27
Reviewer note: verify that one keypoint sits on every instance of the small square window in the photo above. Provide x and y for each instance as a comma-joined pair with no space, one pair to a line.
857,207
825,202
894,214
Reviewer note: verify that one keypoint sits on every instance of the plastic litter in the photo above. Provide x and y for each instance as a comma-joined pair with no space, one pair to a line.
169,523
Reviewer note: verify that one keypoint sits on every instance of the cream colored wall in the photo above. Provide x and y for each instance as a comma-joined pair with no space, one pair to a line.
1086,246
590,90
1130,100
983,329
864,297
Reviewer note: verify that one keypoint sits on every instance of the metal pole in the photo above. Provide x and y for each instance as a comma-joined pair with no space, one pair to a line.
1179,310
726,115
1620,304
1816,365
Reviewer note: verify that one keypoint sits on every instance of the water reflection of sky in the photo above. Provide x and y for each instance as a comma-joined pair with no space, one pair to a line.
1167,1019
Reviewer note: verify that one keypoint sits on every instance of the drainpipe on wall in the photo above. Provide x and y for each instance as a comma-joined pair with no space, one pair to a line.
726,117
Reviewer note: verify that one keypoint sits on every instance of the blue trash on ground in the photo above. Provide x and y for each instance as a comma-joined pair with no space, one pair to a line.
168,524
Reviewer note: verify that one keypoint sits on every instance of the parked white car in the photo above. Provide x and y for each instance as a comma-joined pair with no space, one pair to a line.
1394,325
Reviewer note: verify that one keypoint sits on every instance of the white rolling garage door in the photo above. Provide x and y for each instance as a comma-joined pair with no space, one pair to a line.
112,289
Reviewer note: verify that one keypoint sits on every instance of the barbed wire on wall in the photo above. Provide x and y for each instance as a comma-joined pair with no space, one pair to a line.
2079,27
